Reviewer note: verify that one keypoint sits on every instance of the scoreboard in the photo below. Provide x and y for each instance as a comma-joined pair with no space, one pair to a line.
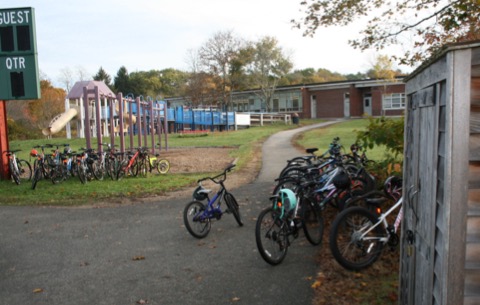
18,55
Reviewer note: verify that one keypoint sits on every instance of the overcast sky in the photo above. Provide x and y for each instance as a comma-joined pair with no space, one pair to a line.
156,34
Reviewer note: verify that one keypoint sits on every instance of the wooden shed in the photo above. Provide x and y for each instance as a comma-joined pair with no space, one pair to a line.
440,256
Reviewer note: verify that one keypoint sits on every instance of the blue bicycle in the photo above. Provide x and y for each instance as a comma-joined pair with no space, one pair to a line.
198,216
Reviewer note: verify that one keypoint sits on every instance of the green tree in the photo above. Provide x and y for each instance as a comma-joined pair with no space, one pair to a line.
386,132
173,82
121,81
102,75
430,23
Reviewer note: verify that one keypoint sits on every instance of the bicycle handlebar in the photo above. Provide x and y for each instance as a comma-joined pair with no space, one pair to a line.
224,174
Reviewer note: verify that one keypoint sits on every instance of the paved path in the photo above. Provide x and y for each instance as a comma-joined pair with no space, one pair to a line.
129,254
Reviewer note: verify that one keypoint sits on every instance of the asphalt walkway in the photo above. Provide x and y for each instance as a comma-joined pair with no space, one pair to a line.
142,254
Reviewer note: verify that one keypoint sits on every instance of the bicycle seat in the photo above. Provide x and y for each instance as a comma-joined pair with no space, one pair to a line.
311,150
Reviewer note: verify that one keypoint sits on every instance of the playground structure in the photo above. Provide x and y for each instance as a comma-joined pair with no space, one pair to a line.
96,111
99,113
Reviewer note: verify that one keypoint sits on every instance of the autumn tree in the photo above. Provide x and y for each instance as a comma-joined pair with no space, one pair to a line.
430,23
41,112
382,68
269,64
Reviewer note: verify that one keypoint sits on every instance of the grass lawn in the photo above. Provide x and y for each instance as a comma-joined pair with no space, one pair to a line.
71,192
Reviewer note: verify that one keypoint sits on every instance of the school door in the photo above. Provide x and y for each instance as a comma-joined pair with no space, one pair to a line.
313,107
346,105
367,104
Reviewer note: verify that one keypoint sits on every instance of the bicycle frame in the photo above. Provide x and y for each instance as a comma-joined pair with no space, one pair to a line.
383,220
213,211
132,160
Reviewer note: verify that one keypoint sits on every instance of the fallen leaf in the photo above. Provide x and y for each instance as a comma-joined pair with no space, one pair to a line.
138,258
142,302
316,284
37,290
235,299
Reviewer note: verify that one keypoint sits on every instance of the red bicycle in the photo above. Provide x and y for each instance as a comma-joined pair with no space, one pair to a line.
129,166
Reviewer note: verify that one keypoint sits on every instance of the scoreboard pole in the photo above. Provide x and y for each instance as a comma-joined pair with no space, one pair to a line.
4,172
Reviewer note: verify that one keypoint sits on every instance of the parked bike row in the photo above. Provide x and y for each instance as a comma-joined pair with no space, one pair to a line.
59,162
305,188
308,185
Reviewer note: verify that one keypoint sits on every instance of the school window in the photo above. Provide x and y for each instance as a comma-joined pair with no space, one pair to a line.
295,105
394,101
275,104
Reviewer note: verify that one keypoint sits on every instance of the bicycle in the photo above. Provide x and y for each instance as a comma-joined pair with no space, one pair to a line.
19,169
198,216
358,234
283,219
129,166
161,165
41,165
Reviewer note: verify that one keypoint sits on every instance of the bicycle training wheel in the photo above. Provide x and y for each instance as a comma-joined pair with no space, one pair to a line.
271,237
163,166
232,205
348,247
195,221
312,222
25,170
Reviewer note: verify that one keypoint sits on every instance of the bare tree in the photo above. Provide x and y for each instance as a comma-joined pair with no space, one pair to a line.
66,78
82,74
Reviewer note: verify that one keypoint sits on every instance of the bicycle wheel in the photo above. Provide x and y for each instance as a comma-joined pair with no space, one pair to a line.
111,169
133,170
121,168
56,175
142,168
348,247
287,183
195,221
14,172
82,173
37,175
312,222
25,170
232,205
98,170
163,166
271,237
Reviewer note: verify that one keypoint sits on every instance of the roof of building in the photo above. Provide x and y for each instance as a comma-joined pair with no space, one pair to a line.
77,90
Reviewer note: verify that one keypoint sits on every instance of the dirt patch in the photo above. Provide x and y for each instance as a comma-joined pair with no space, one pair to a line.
203,160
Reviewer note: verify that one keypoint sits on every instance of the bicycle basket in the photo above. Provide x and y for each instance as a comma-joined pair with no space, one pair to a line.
341,180
286,201
197,195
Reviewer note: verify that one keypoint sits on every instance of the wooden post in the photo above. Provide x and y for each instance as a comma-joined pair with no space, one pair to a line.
4,172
